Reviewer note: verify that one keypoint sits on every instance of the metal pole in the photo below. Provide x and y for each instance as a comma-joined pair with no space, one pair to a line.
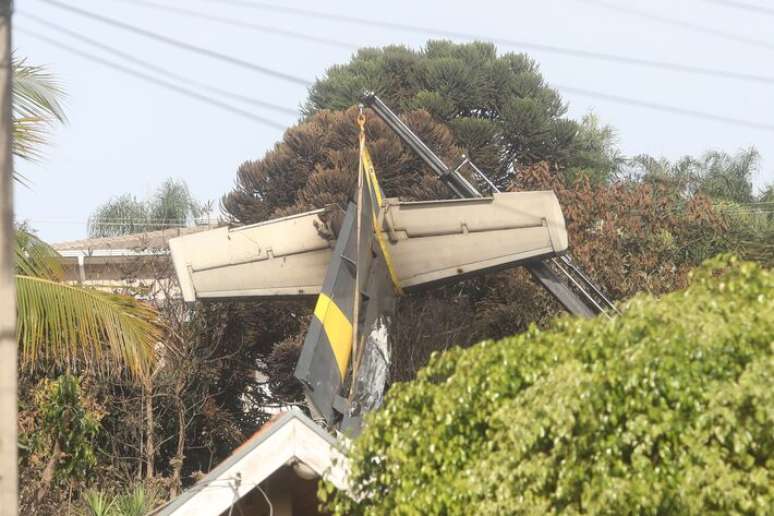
8,479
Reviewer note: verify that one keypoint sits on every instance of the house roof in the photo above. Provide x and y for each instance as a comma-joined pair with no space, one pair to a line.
287,438
150,239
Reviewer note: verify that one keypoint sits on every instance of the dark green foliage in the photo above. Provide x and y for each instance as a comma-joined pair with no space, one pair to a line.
499,108
668,409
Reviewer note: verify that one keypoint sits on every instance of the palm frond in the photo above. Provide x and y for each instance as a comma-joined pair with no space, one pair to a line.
34,257
64,323
36,108
98,503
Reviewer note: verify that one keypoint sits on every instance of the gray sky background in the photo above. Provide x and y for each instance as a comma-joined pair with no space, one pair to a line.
126,135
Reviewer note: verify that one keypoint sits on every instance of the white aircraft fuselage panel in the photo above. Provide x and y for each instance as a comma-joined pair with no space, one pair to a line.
428,242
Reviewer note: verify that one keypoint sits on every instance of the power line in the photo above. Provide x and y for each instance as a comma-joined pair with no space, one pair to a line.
243,24
572,52
578,91
569,89
158,69
316,39
154,80
666,108
682,24
181,44
745,6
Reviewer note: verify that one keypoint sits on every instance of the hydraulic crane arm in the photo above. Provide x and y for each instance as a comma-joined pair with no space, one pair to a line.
582,302
456,181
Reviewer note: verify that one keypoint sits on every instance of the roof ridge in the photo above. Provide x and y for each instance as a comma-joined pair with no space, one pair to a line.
136,239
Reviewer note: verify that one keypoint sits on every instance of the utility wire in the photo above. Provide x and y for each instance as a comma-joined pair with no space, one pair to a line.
572,52
577,91
745,6
181,44
158,69
242,24
307,37
154,80
666,108
679,23
569,89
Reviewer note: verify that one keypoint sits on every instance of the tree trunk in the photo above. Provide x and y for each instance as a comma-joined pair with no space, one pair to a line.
48,471
177,461
150,446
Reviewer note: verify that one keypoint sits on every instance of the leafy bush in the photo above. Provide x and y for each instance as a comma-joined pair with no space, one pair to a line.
62,429
667,409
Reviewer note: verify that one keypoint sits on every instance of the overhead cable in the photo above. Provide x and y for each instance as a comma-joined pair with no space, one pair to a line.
567,89
155,80
158,69
680,23
745,6
666,108
503,42
242,24
181,44
578,91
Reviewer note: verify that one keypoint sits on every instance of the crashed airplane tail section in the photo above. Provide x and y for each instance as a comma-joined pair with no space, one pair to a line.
353,314
382,248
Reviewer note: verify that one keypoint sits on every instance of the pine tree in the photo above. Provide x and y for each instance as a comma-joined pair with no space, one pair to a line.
500,110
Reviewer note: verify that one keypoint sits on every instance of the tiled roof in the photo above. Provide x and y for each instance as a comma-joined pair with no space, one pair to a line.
148,240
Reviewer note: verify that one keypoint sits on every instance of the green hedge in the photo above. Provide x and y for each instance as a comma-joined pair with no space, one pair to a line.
667,409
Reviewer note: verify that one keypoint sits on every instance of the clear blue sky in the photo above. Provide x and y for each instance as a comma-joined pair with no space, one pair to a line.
126,135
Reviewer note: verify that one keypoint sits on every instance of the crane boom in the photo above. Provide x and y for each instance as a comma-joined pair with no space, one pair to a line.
580,301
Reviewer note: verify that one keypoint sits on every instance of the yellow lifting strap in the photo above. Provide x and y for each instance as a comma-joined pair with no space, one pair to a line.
367,169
